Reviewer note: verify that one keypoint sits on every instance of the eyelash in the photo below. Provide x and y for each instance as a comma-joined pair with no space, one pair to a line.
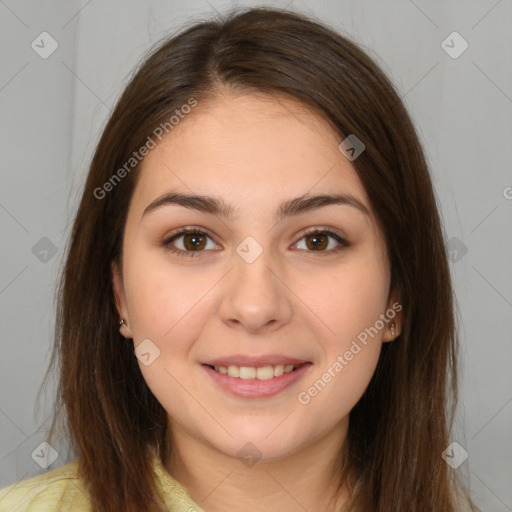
315,231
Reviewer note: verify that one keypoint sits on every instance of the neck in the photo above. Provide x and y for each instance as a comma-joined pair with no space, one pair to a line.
305,480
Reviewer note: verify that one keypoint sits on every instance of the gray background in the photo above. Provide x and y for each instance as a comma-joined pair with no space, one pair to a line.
52,111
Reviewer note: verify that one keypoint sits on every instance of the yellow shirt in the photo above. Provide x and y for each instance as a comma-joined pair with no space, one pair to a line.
61,490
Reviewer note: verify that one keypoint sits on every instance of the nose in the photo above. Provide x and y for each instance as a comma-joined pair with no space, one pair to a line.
254,296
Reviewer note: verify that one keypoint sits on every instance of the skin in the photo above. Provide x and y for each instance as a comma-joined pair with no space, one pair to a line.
254,152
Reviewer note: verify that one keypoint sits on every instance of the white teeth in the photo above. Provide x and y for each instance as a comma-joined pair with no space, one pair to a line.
265,372
246,372
260,373
234,371
278,370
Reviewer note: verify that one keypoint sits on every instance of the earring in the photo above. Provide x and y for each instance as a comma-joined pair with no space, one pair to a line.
121,322
393,330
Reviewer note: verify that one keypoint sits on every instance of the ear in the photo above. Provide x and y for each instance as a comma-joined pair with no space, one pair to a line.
395,318
120,300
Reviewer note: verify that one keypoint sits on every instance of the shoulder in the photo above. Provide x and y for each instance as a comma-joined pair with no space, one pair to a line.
55,490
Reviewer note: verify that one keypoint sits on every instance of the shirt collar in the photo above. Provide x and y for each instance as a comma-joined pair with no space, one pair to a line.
175,496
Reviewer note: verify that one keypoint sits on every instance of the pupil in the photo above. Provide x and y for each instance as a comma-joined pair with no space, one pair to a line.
318,241
194,241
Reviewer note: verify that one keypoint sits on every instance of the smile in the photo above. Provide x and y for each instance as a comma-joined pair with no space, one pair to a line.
256,382
260,372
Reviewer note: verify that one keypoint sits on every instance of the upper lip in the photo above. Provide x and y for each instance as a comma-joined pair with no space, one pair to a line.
256,361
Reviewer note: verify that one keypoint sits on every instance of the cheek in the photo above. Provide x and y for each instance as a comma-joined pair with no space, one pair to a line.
163,297
337,388
348,300
170,308
350,303
350,348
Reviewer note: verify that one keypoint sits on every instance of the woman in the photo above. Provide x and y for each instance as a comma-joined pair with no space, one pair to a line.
256,308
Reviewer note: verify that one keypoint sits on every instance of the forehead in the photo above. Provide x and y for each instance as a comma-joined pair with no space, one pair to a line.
245,147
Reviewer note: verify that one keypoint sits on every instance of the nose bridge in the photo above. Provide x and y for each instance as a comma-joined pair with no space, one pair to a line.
254,297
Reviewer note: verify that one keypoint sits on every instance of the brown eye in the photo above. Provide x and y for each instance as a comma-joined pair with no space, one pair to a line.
190,242
317,242
321,241
194,241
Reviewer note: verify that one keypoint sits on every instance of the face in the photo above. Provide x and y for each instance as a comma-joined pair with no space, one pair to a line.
267,282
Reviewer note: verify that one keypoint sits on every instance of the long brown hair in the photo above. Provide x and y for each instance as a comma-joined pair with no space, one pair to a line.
401,425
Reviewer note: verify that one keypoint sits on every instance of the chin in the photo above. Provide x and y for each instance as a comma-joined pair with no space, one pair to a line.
260,447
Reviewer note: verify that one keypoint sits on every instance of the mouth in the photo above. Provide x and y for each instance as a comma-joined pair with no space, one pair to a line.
264,372
256,382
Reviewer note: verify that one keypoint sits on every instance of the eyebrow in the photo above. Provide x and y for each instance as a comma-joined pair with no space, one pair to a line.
217,206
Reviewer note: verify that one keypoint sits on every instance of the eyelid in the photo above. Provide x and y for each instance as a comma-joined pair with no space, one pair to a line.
324,230
328,231
188,229
321,229
179,232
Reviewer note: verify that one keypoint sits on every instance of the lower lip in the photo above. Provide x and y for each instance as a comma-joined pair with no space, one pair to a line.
255,388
